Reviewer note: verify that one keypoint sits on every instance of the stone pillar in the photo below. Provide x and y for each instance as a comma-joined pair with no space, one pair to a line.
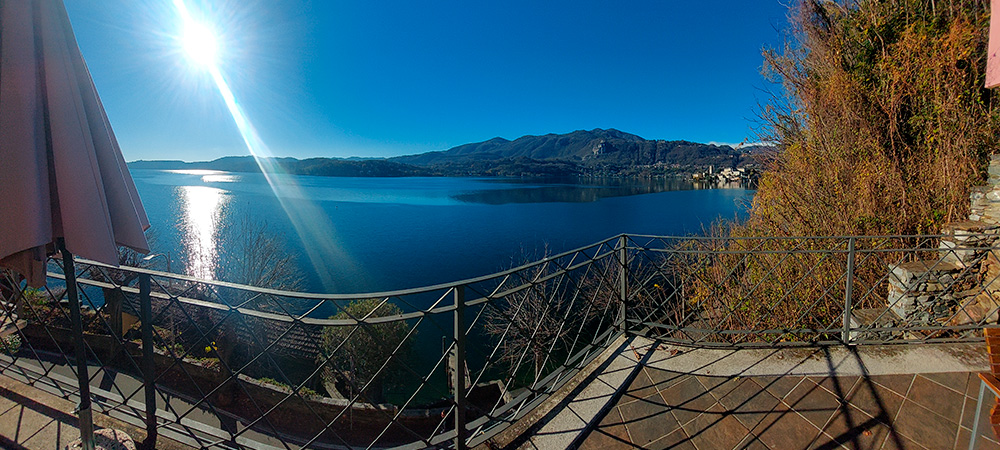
914,285
986,199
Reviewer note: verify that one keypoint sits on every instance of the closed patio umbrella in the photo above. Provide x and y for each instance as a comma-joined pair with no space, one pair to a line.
62,174
64,185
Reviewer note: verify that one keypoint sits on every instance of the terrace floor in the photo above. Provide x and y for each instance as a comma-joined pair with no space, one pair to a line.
660,397
652,396
32,419
665,409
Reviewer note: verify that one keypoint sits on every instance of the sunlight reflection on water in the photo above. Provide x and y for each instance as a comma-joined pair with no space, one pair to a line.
223,178
195,171
202,207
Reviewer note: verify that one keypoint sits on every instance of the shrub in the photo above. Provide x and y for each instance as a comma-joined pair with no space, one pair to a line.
882,127
359,351
10,345
884,124
303,390
557,314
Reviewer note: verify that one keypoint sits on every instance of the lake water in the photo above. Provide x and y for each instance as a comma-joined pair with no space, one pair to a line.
351,235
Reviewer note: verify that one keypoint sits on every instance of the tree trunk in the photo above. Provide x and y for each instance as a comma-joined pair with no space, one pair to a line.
113,299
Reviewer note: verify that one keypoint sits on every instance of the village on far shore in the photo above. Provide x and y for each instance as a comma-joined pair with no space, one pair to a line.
746,174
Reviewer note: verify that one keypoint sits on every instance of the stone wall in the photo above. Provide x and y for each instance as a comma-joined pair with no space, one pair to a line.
914,285
986,199
960,283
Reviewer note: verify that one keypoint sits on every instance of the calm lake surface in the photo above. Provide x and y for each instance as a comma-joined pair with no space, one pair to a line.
351,235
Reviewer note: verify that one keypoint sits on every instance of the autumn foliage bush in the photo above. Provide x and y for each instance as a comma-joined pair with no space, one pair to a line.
884,122
881,126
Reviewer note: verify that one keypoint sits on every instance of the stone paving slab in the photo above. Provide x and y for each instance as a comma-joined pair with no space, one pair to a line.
903,397
658,397
28,424
840,360
864,414
575,417
36,420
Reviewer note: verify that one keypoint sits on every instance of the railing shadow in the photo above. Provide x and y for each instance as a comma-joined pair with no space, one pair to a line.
573,396
842,402
30,422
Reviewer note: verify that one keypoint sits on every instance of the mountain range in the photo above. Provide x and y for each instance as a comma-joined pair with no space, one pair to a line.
582,152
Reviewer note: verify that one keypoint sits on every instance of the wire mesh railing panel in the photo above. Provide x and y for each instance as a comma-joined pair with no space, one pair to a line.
531,329
216,364
37,355
732,292
746,291
926,289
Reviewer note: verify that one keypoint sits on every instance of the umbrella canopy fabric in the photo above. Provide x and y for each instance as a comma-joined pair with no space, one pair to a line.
62,174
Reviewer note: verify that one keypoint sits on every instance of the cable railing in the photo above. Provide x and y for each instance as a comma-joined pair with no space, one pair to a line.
221,365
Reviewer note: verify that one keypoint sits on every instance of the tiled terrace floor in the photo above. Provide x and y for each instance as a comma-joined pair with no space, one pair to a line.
663,409
912,401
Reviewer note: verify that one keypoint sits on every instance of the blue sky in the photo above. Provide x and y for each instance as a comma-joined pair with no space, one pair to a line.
384,78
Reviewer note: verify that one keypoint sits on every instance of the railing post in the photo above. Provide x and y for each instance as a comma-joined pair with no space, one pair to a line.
76,317
622,322
848,291
458,369
148,364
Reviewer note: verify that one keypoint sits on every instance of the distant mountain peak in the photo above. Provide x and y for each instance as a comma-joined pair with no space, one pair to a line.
603,145
598,151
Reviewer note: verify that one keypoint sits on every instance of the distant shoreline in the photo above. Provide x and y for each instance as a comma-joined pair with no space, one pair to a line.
595,153
330,167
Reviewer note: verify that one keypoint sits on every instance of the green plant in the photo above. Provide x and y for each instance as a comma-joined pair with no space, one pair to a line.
269,380
35,297
303,390
308,392
177,348
207,362
359,351
10,345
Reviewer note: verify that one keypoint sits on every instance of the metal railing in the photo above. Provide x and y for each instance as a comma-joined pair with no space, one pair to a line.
215,364
751,292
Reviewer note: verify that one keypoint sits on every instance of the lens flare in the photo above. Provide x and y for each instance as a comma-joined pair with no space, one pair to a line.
200,44
310,222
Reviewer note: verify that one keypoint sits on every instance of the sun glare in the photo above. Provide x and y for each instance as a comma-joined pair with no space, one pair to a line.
309,221
197,39
200,44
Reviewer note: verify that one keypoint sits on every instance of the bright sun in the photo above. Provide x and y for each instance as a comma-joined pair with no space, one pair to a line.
200,44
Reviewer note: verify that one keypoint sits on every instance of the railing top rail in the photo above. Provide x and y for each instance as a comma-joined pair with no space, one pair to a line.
787,238
352,296
250,312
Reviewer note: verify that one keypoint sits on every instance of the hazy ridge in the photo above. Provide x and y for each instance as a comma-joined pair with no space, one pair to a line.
597,152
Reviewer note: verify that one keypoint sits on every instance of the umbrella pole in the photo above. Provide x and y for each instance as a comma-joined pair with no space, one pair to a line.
86,419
